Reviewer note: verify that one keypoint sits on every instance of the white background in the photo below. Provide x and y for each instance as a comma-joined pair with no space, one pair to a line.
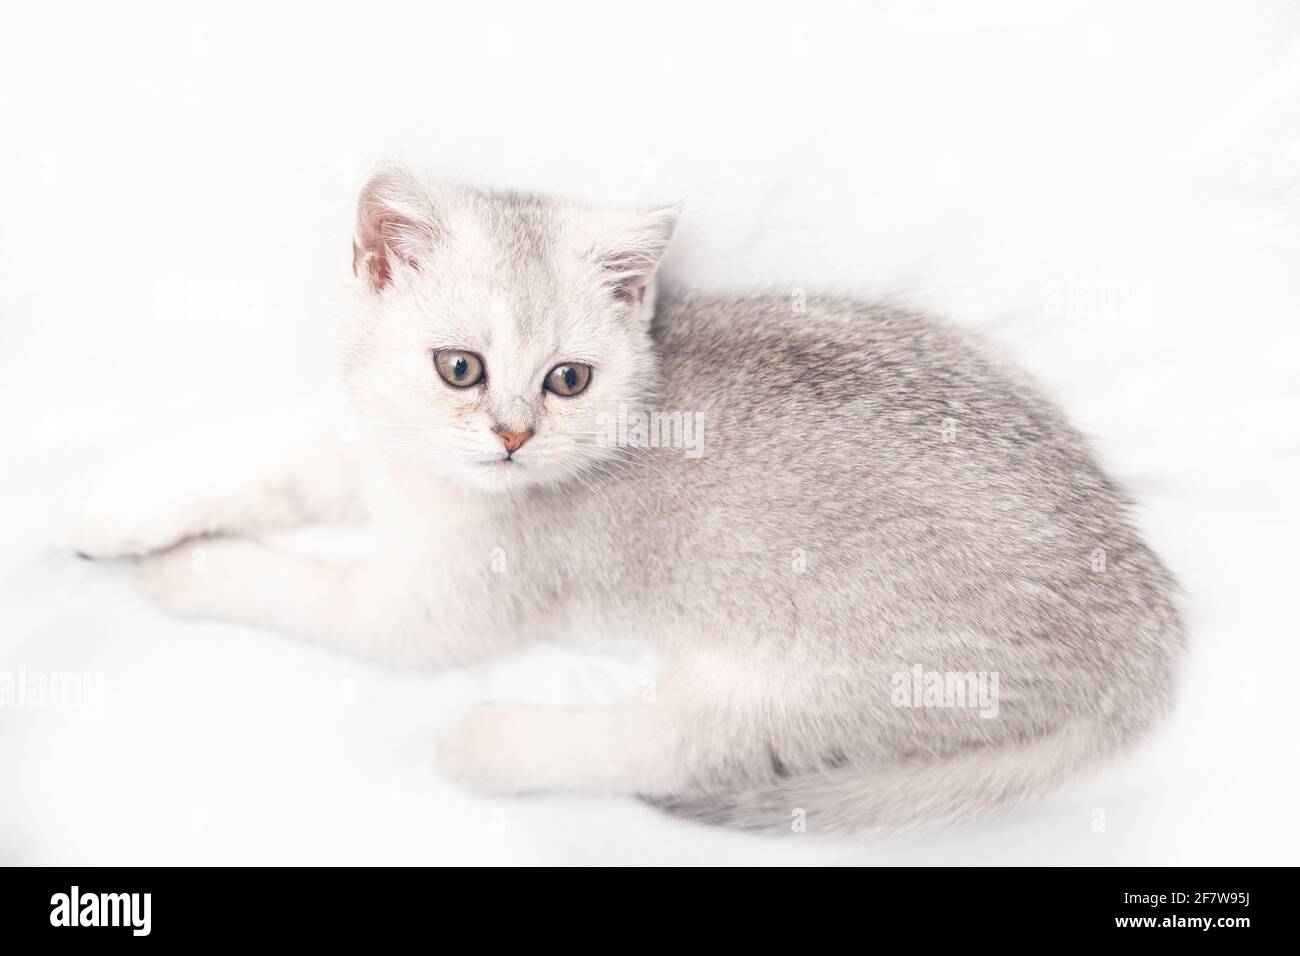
1109,189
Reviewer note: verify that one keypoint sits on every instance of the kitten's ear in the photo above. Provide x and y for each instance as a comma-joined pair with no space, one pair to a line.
396,225
631,258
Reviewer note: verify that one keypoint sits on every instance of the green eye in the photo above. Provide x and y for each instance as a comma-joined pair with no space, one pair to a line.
568,380
458,369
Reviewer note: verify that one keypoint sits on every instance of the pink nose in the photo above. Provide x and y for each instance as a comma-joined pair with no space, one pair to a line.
513,440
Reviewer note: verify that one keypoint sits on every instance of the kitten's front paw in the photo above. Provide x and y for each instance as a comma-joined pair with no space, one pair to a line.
490,750
185,581
120,522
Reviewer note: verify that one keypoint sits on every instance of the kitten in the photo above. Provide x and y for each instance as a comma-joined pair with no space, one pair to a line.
889,581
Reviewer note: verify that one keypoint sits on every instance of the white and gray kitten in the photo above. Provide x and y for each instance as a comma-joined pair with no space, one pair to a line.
878,519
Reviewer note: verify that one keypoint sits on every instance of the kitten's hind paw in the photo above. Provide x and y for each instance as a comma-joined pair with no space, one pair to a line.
490,751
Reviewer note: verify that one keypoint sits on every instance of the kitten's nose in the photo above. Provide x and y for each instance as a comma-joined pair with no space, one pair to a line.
513,440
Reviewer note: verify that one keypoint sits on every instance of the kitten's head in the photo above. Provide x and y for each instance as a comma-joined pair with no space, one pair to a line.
493,332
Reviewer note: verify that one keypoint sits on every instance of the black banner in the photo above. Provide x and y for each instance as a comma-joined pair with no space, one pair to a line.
136,906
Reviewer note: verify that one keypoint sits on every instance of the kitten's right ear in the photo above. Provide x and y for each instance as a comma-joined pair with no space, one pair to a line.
631,258
396,226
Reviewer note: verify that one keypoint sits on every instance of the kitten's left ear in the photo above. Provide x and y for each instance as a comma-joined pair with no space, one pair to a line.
396,226
631,258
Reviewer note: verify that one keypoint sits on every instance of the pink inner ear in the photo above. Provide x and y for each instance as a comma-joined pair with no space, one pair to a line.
633,289
632,259
395,223
630,274
376,266
387,239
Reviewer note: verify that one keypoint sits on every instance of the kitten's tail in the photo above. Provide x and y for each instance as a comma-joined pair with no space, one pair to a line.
931,792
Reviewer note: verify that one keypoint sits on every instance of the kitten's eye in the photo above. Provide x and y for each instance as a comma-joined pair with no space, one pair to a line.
568,380
460,369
